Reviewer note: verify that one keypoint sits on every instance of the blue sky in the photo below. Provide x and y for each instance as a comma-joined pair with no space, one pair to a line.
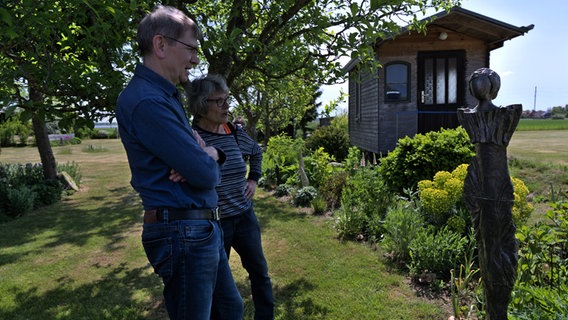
537,59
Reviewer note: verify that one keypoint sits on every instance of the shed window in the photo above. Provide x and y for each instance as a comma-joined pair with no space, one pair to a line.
397,82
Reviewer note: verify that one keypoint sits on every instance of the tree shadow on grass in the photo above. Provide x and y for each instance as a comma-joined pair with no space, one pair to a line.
290,301
112,297
67,222
269,208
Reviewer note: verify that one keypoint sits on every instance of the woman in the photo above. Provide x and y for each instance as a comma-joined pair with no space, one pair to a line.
209,104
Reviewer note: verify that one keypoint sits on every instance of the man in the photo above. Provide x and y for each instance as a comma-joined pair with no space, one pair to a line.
181,233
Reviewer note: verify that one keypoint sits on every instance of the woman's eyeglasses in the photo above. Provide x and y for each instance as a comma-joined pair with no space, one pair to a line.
221,101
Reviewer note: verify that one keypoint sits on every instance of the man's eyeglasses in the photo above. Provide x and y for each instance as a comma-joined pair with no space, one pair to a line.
190,47
220,102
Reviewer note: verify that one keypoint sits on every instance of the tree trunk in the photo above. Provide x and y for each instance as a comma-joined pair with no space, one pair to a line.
42,139
45,152
252,121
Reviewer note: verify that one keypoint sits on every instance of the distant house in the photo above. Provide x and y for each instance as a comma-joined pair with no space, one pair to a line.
423,79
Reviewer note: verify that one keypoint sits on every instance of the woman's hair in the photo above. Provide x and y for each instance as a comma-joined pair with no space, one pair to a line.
200,89
167,21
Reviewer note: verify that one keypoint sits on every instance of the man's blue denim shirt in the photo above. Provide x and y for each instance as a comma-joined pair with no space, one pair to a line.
156,134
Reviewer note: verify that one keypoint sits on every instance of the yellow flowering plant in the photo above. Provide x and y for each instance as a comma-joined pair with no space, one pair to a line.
442,196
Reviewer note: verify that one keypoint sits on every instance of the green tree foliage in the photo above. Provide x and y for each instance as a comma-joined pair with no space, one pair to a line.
63,60
420,157
279,162
10,129
334,139
559,112
264,47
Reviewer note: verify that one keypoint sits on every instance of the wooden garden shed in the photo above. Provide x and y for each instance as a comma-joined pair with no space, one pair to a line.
423,79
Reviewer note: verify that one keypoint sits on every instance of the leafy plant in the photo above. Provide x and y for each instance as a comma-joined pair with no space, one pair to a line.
331,188
420,157
402,224
522,208
281,153
47,192
304,196
440,195
318,167
465,284
543,268
20,200
283,190
437,252
319,205
367,199
353,160
334,140
442,198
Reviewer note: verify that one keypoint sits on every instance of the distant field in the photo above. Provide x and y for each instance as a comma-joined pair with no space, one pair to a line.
542,124
545,146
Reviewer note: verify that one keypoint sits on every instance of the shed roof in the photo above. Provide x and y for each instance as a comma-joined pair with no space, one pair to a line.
458,19
473,24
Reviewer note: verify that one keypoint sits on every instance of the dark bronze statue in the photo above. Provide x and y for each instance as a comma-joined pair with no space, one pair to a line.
488,190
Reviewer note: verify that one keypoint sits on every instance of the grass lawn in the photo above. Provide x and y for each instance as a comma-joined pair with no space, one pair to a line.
82,258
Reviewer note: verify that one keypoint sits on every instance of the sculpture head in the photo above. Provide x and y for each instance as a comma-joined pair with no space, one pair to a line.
484,84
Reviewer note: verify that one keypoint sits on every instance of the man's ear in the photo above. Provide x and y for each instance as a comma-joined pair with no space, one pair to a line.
159,44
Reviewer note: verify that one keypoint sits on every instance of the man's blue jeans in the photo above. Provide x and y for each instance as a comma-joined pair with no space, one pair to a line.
242,232
189,257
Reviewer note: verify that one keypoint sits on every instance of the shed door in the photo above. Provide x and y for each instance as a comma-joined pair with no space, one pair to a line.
440,89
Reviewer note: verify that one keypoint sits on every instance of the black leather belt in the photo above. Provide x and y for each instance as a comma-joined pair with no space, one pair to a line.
158,215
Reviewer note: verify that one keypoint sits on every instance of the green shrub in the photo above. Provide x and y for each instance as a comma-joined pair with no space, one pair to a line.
532,302
442,198
304,196
20,200
334,140
349,224
543,254
420,157
364,203
47,192
366,191
353,160
23,187
263,183
21,174
283,190
100,134
83,132
403,224
319,205
437,252
10,129
331,188
522,208
72,169
318,167
542,283
280,160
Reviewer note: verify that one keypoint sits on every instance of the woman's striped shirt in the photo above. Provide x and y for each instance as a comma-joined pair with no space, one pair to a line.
237,146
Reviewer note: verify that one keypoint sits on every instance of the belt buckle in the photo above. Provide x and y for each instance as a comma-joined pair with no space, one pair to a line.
216,214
